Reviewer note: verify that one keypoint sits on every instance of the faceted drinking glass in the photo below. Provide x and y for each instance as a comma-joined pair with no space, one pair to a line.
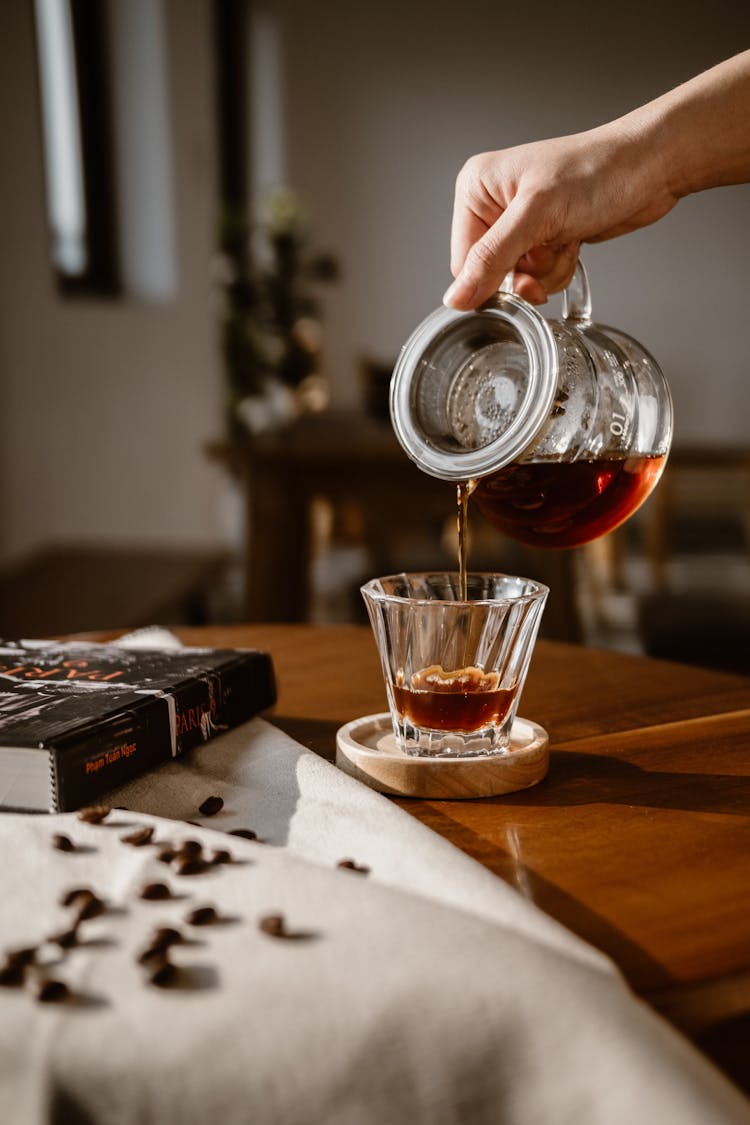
454,669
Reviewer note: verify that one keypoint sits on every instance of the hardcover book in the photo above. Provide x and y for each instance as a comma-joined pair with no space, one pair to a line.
79,719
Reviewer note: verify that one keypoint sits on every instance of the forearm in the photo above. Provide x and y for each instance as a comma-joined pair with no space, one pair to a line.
531,206
698,134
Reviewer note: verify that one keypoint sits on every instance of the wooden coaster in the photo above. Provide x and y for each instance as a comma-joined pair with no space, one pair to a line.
366,749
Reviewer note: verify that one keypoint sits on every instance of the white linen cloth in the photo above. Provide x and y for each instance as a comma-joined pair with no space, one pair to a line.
427,992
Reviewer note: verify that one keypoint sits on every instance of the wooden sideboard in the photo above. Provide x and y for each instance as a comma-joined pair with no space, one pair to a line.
351,458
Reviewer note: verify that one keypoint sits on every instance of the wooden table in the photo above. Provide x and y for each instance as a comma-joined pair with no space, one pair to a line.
638,840
343,457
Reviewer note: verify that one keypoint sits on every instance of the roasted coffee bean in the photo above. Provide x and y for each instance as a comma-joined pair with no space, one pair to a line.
154,891
63,843
220,855
139,837
166,855
162,974
189,849
152,954
211,806
273,924
159,945
66,939
75,894
202,916
89,908
186,865
95,814
22,957
165,936
11,975
350,865
245,833
50,991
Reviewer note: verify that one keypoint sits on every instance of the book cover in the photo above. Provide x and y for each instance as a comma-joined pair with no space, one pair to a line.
78,719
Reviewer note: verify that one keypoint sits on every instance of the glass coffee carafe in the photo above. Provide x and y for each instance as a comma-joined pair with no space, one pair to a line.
560,427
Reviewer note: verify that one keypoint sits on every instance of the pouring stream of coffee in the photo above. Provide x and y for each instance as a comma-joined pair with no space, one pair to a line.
464,490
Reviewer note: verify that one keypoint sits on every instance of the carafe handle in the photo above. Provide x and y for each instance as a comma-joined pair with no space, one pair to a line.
577,296
507,282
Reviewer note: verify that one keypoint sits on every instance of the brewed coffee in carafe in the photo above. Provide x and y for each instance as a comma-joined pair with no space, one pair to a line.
558,429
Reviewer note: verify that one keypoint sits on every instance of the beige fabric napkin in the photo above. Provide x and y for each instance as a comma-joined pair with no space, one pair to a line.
426,991
385,1007
294,799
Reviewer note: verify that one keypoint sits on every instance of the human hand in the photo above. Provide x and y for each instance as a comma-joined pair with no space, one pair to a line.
529,208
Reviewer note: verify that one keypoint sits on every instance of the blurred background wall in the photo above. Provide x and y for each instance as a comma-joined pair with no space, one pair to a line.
367,112
105,402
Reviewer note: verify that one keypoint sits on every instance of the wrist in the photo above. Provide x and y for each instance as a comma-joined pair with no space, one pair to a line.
698,134
635,150
658,150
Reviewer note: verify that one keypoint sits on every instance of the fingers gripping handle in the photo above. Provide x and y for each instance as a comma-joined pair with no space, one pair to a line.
576,298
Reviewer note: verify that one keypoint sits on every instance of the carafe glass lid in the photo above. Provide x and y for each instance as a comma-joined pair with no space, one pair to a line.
470,391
